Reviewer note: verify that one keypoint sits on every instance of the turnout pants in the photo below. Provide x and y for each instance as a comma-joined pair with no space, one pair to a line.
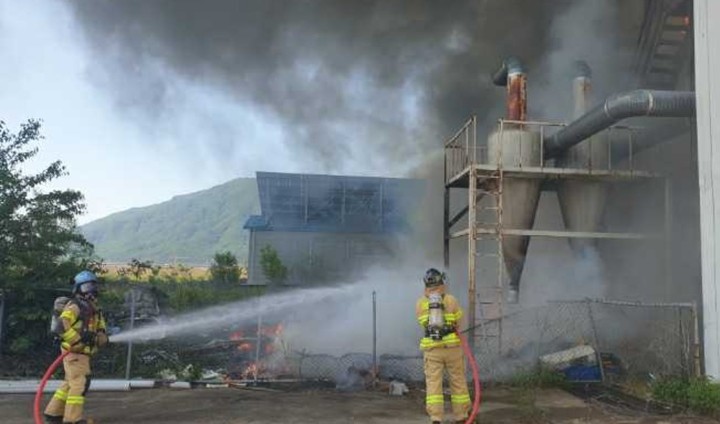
435,361
69,399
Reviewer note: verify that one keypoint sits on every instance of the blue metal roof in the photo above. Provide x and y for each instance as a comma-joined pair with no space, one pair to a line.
329,203
255,222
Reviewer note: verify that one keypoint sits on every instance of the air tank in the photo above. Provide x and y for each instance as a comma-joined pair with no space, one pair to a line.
516,148
582,202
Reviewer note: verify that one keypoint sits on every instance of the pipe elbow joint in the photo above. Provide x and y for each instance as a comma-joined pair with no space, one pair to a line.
511,65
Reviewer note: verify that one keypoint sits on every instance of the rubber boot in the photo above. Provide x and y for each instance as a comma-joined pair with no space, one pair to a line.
52,419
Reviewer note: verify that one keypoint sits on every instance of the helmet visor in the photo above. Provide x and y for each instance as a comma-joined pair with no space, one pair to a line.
90,287
433,279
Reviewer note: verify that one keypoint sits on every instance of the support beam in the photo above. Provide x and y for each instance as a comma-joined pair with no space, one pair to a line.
472,257
707,87
457,217
446,231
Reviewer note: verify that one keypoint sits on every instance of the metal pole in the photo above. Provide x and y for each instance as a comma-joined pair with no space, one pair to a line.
472,250
446,230
668,240
2,318
595,341
257,348
696,342
374,323
128,362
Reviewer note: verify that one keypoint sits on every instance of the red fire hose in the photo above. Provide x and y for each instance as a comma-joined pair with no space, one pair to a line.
477,387
38,395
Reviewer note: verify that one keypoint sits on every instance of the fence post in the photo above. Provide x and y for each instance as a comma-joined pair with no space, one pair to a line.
696,342
595,340
128,361
257,348
374,323
2,319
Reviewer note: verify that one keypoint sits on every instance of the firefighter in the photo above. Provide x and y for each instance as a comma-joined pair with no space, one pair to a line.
84,330
439,314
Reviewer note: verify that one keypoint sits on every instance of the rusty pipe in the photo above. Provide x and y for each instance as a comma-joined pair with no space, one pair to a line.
512,75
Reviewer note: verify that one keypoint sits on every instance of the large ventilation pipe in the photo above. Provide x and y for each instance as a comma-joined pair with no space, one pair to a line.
653,103
515,147
582,203
512,76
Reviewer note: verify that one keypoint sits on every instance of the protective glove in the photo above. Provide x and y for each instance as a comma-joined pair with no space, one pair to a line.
88,338
102,339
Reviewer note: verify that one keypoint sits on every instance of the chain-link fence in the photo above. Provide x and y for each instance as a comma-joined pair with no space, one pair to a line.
588,340
593,340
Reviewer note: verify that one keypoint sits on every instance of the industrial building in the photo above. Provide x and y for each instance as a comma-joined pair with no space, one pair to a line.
626,182
327,227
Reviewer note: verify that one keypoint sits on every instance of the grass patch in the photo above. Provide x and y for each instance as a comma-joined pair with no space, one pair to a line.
698,395
539,378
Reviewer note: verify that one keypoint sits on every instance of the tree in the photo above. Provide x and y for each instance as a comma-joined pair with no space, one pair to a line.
272,266
138,268
225,267
38,233
40,248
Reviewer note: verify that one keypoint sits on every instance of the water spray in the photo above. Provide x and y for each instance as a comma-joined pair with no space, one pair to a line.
235,312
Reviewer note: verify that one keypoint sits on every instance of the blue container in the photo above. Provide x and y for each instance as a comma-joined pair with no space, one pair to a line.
583,373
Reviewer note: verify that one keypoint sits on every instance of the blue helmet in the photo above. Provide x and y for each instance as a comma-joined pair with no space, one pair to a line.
85,283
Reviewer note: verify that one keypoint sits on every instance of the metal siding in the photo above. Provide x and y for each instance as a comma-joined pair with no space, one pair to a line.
707,68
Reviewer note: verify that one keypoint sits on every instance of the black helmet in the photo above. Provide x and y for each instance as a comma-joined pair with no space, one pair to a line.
433,278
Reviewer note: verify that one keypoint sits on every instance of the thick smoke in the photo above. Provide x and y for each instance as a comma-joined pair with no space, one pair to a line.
368,87
356,87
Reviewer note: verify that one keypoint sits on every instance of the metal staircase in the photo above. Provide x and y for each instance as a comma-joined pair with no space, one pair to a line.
664,43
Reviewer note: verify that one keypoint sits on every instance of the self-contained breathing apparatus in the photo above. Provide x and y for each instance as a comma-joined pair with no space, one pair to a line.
437,328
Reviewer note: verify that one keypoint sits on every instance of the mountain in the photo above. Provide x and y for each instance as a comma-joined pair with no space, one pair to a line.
188,229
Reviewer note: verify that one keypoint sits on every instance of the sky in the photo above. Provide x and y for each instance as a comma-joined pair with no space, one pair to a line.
47,73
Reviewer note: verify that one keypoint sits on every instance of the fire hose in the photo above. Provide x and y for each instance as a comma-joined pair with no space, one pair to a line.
477,387
41,388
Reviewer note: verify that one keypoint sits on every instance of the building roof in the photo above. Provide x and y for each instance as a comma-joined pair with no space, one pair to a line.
330,203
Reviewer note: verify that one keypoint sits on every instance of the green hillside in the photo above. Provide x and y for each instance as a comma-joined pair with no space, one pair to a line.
187,229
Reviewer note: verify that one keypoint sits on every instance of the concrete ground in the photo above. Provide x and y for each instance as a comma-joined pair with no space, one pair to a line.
255,406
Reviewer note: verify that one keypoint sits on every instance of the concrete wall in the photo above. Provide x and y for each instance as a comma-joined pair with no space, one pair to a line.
319,257
707,70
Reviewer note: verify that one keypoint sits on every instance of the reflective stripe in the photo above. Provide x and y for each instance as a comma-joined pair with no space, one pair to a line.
68,315
450,340
434,399
460,398
75,400
60,395
70,336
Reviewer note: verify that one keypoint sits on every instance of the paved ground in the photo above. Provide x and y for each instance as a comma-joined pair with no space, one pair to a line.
245,406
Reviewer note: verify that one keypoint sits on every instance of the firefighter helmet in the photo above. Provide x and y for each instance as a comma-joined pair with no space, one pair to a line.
433,278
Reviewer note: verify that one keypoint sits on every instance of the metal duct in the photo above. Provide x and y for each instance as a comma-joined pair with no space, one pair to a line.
582,202
655,103
512,75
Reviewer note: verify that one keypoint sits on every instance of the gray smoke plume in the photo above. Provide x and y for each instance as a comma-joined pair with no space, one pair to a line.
360,87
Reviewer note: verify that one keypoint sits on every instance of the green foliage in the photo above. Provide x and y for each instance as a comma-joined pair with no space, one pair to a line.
38,237
225,267
189,228
699,395
538,378
40,249
272,266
